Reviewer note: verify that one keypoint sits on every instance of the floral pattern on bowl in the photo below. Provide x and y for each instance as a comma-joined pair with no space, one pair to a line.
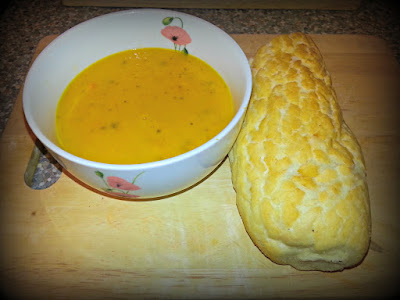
112,33
176,34
118,186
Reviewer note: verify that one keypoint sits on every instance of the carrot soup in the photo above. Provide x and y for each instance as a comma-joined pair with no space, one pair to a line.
142,105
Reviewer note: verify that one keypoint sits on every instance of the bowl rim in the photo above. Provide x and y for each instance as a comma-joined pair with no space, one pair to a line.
148,165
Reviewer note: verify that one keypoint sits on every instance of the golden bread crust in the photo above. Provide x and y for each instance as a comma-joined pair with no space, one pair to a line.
297,169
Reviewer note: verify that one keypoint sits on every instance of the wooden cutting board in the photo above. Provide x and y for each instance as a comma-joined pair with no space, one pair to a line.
68,241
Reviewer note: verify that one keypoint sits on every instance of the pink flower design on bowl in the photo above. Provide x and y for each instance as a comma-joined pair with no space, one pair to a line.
118,186
176,35
122,184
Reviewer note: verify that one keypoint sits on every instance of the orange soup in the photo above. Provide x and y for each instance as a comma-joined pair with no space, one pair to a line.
142,105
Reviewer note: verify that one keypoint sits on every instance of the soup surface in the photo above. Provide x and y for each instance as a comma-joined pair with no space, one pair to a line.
142,105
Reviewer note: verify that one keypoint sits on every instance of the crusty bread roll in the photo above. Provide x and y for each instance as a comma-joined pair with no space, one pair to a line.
297,169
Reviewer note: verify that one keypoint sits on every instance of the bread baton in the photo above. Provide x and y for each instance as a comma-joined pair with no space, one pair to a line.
297,168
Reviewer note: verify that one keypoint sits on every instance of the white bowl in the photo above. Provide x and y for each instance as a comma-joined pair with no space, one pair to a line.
94,39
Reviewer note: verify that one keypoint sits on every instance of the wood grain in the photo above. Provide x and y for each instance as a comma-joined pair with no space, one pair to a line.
70,242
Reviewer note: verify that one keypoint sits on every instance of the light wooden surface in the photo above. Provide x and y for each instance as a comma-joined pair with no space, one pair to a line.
248,4
69,242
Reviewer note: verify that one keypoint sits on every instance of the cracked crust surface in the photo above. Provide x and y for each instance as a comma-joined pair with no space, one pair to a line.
297,169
